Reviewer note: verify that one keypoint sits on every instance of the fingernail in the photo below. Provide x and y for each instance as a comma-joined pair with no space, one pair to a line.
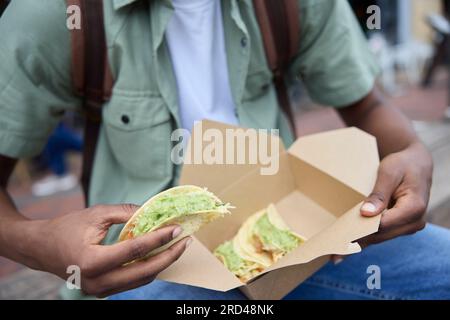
176,232
188,242
338,261
369,207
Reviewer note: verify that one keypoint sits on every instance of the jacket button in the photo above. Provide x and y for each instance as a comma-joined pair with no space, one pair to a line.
244,42
125,119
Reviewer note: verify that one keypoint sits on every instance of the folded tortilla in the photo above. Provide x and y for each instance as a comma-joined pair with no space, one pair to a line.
262,240
270,234
187,206
247,244
230,256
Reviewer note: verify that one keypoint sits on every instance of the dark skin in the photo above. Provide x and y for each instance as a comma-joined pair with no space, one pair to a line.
402,189
75,239
403,186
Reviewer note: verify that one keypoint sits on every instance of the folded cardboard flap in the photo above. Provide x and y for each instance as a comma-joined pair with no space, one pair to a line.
349,155
199,267
328,192
276,284
318,190
219,177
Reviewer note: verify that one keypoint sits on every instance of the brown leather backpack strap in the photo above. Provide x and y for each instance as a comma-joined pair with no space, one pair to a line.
279,24
3,5
91,77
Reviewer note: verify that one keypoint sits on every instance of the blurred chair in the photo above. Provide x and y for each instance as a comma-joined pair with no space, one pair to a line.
408,59
411,59
441,25
384,54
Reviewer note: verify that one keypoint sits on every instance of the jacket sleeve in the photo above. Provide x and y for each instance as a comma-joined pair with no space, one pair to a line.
35,82
333,60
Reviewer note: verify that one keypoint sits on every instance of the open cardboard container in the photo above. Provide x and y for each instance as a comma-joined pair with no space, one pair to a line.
318,190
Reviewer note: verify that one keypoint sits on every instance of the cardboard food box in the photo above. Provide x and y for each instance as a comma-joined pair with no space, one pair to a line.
318,188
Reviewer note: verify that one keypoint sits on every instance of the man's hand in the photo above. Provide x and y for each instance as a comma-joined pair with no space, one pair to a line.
404,177
74,239
400,194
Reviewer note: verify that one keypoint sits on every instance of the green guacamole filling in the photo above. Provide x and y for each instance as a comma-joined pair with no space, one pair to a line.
232,260
269,234
239,266
172,206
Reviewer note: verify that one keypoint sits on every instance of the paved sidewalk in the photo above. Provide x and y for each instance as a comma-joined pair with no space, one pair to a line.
27,284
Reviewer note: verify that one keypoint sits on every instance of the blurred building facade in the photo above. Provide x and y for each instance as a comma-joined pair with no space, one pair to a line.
407,42
402,20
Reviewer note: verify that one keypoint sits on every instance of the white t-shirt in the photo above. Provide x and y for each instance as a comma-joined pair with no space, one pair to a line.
197,48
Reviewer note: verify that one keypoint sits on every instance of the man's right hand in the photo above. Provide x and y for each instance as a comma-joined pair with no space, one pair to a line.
75,239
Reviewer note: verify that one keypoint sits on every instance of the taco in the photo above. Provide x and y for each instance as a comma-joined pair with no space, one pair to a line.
230,256
187,206
261,241
270,234
248,246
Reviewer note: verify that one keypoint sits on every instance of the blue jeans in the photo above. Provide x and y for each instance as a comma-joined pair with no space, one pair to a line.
411,267
62,140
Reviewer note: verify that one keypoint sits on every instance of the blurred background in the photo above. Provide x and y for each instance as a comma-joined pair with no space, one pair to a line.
412,48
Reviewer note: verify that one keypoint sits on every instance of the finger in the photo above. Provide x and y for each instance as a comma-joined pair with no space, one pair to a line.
114,214
408,209
385,236
128,287
385,186
112,256
142,271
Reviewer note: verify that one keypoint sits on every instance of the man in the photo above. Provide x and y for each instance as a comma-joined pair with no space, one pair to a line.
178,61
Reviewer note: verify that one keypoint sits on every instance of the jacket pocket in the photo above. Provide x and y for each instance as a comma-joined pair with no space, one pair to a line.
257,85
138,131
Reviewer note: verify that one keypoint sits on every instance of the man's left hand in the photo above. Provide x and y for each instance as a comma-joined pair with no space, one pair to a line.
400,194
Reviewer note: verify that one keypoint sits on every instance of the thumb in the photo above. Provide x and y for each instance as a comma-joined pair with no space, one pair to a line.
382,192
